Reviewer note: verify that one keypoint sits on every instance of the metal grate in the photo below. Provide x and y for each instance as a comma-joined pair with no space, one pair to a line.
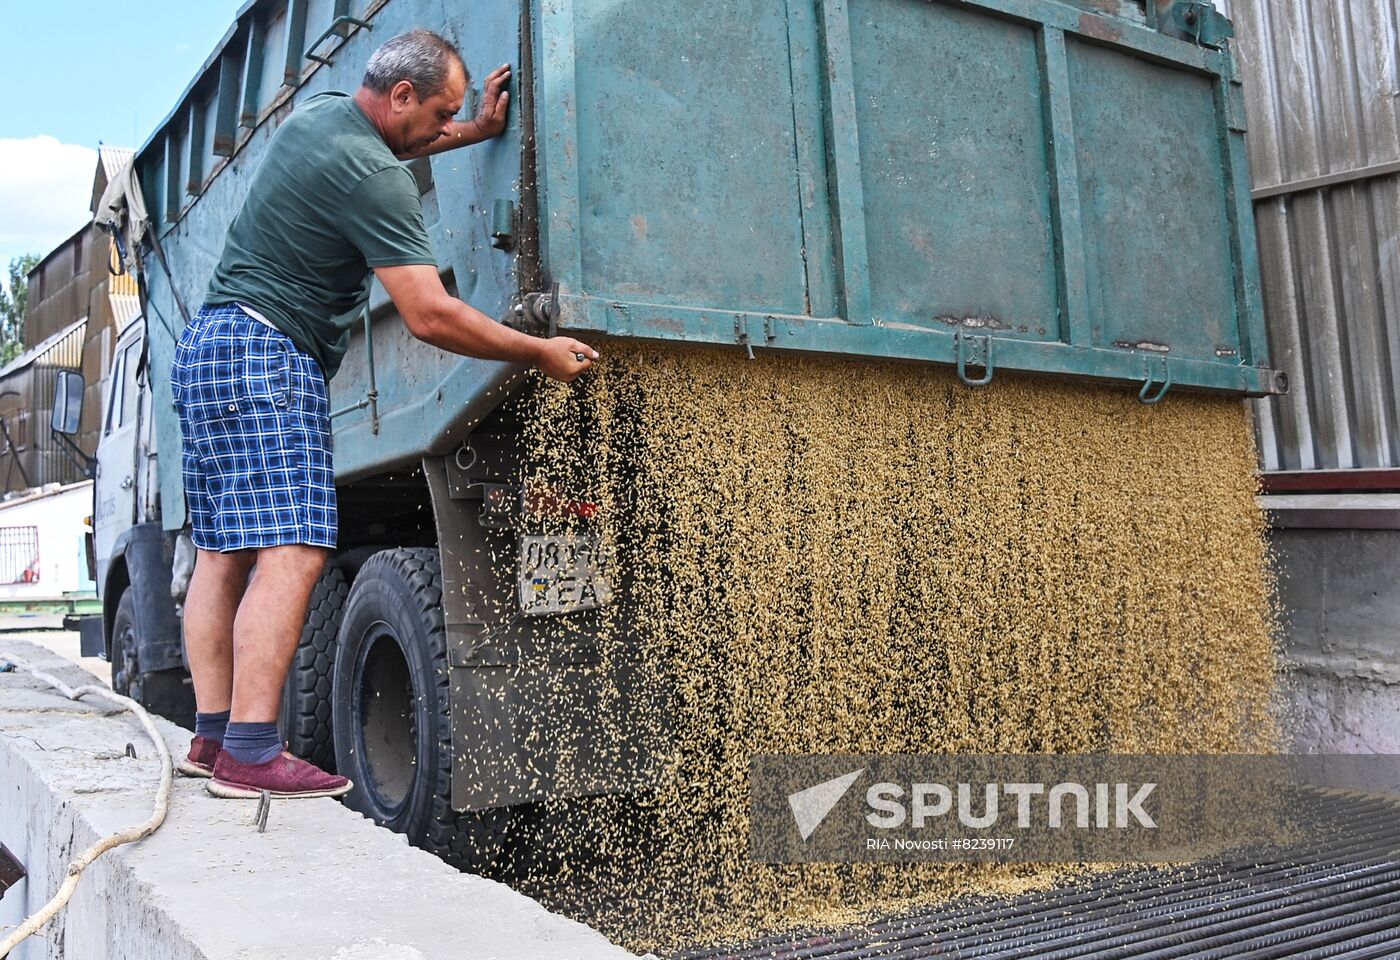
19,554
1314,905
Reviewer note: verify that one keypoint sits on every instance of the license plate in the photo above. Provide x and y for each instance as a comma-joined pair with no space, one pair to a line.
563,575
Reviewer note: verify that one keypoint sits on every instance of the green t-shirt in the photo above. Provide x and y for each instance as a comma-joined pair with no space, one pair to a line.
328,203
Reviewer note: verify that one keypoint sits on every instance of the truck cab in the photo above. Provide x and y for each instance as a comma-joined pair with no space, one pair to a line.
134,557
122,494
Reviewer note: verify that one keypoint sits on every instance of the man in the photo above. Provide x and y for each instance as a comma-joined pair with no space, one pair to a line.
329,203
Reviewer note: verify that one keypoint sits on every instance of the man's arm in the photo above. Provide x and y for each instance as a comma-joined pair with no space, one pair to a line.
489,121
436,317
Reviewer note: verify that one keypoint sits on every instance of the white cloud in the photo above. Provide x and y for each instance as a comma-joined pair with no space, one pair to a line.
45,189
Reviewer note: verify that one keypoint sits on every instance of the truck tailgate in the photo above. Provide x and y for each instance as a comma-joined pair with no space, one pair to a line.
1000,184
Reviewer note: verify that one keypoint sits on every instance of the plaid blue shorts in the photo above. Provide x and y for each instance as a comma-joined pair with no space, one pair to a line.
255,418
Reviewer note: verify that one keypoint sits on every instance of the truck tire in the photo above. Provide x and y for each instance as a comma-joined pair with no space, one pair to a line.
306,697
350,561
393,731
167,693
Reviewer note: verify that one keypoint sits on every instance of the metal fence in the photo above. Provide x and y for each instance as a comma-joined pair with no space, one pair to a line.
19,554
1323,86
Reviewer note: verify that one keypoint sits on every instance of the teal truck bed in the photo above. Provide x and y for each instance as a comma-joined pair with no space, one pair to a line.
1003,185
1045,186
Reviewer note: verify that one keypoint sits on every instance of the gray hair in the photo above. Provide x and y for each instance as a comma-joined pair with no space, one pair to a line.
421,57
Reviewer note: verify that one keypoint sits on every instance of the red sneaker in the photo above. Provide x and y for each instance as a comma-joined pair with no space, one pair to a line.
284,776
200,762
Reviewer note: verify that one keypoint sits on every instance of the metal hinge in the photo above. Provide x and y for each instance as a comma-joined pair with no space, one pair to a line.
537,312
1200,22
1235,118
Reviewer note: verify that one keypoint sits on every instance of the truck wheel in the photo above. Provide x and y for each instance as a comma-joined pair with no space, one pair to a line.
167,693
350,561
393,734
306,698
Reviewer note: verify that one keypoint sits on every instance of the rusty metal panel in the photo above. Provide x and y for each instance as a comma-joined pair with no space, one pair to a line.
1323,85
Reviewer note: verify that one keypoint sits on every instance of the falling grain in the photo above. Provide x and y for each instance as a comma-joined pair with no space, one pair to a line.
822,555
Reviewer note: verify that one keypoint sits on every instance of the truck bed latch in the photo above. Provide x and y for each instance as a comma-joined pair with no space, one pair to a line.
538,311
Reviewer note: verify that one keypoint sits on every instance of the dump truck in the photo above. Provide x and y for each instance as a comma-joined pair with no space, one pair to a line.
1056,187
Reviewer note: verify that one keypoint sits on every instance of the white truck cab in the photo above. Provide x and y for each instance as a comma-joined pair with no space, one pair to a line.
119,451
135,558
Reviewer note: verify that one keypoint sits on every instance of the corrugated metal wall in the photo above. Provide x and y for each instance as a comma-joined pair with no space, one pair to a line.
32,457
51,463
1323,85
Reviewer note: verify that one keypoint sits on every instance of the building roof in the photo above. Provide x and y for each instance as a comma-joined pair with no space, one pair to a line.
113,158
38,350
110,161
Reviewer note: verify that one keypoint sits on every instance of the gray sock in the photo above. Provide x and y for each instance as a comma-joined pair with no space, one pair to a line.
252,742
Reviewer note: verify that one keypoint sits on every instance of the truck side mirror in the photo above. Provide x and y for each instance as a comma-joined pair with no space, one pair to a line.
67,402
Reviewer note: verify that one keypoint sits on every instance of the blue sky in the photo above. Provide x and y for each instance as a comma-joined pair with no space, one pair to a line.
76,72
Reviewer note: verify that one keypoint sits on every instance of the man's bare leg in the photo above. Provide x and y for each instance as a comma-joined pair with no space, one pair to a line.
268,626
216,588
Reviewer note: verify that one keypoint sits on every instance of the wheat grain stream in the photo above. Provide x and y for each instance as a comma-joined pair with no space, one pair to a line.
835,556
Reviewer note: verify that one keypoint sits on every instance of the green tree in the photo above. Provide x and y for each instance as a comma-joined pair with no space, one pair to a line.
12,300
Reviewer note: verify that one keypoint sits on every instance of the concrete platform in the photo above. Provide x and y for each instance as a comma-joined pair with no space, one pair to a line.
322,883
12,621
65,643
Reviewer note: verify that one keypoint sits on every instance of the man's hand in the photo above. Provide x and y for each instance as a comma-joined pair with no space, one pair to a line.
490,120
434,316
559,358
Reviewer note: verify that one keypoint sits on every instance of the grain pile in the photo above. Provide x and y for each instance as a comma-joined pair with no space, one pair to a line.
835,556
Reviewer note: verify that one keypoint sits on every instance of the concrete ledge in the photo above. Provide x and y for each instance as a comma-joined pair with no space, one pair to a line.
323,883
